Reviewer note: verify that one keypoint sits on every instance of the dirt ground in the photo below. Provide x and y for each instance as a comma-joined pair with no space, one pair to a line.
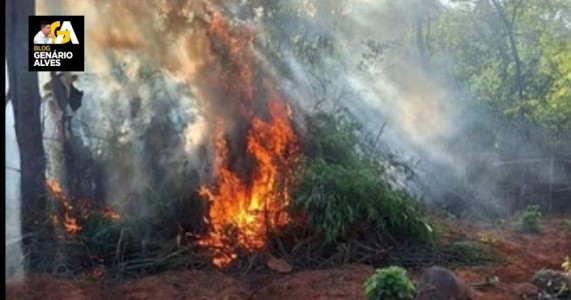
525,254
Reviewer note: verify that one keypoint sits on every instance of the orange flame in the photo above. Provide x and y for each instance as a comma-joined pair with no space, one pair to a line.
241,78
69,222
242,211
241,215
55,187
72,216
110,214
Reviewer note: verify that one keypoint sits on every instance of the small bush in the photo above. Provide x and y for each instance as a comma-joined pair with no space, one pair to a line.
567,224
531,219
391,283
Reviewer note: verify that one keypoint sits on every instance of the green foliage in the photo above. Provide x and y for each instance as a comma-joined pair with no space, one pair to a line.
100,235
531,219
290,30
391,283
340,190
477,41
333,138
567,224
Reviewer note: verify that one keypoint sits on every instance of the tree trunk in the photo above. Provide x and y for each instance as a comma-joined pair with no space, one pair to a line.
25,97
513,46
423,39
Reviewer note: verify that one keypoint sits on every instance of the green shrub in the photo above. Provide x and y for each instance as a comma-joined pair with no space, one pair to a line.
339,188
391,283
531,219
100,235
332,138
567,224
335,199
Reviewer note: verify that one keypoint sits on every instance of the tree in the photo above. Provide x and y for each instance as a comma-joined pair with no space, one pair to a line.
512,55
509,27
423,17
26,100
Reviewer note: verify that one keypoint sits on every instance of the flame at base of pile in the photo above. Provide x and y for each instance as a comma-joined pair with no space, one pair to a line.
71,216
241,214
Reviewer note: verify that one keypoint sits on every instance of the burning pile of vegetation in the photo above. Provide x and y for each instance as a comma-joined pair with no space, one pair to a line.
315,182
306,191
311,191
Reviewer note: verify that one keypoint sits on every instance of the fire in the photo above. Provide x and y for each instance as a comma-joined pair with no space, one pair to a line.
241,214
244,208
110,214
71,217
69,222
54,187
241,78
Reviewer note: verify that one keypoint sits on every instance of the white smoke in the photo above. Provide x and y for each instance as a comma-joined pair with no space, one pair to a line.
420,112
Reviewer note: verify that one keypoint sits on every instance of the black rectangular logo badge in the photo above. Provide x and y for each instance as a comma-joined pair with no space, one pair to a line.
56,43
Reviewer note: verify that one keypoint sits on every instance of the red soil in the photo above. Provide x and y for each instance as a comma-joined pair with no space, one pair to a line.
525,253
